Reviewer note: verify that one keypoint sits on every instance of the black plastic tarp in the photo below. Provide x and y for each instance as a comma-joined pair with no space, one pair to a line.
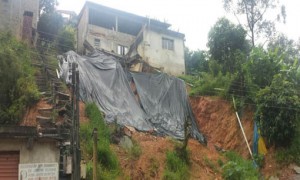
163,106
164,99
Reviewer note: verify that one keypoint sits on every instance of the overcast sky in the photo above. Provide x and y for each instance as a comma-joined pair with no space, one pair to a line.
194,18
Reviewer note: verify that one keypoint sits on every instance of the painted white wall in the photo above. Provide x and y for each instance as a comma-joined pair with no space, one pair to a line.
41,152
82,30
170,61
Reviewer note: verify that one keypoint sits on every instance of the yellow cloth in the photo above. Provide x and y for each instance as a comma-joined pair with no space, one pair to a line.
262,146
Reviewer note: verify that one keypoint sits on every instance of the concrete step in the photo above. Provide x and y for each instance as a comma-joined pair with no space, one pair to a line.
46,112
63,96
44,121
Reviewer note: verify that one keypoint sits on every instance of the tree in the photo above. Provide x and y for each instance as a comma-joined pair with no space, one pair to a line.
196,61
287,48
65,40
278,110
48,27
47,6
254,11
262,66
224,40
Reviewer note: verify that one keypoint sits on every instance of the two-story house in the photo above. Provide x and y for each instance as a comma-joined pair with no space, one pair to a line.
20,17
129,35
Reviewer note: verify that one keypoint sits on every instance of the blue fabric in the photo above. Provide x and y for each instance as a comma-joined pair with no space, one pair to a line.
255,139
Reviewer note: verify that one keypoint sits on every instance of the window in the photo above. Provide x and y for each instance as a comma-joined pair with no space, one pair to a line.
122,50
97,42
167,44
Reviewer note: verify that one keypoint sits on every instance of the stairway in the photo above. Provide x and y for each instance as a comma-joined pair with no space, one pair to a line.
54,121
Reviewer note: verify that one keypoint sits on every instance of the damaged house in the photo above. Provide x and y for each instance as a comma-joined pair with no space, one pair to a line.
144,42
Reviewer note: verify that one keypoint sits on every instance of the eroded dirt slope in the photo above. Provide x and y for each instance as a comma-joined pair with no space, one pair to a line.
217,121
151,163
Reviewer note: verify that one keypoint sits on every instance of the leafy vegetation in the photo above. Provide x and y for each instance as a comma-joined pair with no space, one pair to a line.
277,113
65,40
108,162
55,34
255,12
136,150
18,89
264,77
238,168
225,41
290,154
176,167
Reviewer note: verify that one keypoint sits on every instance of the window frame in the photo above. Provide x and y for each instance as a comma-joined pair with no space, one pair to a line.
168,43
97,42
122,50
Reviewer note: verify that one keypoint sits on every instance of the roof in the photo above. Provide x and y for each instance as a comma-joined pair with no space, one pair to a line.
123,14
168,32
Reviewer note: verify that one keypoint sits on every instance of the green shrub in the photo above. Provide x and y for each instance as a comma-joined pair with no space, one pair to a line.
238,168
277,113
136,150
210,164
18,88
108,161
208,84
290,154
176,168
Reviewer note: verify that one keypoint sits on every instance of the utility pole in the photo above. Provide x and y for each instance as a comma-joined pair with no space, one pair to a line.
95,139
75,123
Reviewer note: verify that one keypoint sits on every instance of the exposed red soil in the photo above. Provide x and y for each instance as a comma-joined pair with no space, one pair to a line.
272,168
154,155
29,118
217,121
82,116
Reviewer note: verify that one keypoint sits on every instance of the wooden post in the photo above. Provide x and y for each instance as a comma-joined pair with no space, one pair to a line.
95,138
241,126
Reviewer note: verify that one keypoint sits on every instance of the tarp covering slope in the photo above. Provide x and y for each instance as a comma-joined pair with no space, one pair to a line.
103,81
164,101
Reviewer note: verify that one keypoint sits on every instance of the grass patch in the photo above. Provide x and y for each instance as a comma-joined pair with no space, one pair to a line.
238,168
177,164
210,164
290,154
154,167
135,151
108,167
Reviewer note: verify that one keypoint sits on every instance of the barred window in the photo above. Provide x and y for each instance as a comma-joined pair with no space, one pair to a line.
97,42
122,50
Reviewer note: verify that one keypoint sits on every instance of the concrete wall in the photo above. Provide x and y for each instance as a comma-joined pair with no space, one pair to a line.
170,61
109,39
82,30
41,152
11,15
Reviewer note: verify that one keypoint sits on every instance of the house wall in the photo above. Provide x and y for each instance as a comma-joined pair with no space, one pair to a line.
41,152
11,15
82,30
170,61
109,39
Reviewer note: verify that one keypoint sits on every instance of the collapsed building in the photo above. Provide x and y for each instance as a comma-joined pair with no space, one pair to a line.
143,41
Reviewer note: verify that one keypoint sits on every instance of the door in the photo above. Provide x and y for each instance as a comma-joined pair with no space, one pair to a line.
9,164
